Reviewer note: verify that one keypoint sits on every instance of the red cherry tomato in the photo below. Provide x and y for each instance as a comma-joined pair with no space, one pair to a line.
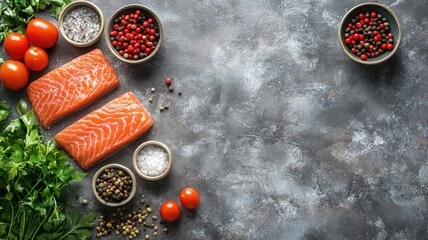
36,58
15,45
170,211
189,198
42,33
14,74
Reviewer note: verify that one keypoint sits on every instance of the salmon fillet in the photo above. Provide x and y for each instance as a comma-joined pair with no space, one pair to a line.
71,87
106,130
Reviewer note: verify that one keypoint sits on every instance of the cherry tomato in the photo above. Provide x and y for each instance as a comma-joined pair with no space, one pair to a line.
170,211
36,58
14,74
42,33
15,45
189,198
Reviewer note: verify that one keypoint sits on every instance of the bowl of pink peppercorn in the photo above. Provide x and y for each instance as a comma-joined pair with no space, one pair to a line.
369,33
134,33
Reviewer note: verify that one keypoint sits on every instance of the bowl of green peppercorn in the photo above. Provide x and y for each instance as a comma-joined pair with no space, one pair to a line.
369,33
114,185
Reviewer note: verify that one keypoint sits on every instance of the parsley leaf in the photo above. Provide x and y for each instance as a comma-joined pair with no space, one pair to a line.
33,174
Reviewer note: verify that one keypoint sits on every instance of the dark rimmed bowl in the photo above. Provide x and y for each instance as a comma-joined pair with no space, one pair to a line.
126,10
369,7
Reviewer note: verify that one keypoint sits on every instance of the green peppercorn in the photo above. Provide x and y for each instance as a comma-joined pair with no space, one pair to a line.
161,108
150,99
149,210
171,89
152,89
84,202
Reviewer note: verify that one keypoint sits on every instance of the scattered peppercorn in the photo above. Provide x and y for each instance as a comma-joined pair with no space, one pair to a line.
150,99
127,223
368,36
161,108
134,35
84,202
179,93
171,89
152,89
166,107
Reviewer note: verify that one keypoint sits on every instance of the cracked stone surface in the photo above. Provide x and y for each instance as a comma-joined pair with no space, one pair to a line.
281,133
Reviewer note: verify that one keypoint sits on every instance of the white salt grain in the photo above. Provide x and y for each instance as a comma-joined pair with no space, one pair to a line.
152,160
81,24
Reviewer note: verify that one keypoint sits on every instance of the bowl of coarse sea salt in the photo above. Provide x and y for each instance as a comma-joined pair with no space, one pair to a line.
81,23
152,160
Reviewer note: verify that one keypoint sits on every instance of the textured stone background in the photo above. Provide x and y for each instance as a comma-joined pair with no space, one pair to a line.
281,133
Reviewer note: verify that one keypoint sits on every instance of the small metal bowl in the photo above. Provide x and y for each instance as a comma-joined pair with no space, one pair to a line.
68,9
394,26
123,168
126,10
137,168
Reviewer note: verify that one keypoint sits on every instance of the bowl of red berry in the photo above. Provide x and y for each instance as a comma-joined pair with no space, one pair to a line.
369,33
134,33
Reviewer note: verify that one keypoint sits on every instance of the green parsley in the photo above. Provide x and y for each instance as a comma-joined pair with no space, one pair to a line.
33,175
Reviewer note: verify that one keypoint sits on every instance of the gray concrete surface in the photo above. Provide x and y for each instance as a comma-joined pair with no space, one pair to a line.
281,133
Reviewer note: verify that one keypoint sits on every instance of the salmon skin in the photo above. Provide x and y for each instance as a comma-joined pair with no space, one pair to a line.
106,130
71,87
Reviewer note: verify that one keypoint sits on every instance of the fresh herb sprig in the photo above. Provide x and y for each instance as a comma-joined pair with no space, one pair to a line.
33,174
15,14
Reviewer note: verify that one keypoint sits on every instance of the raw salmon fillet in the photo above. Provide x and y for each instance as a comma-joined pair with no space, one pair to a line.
71,87
106,130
